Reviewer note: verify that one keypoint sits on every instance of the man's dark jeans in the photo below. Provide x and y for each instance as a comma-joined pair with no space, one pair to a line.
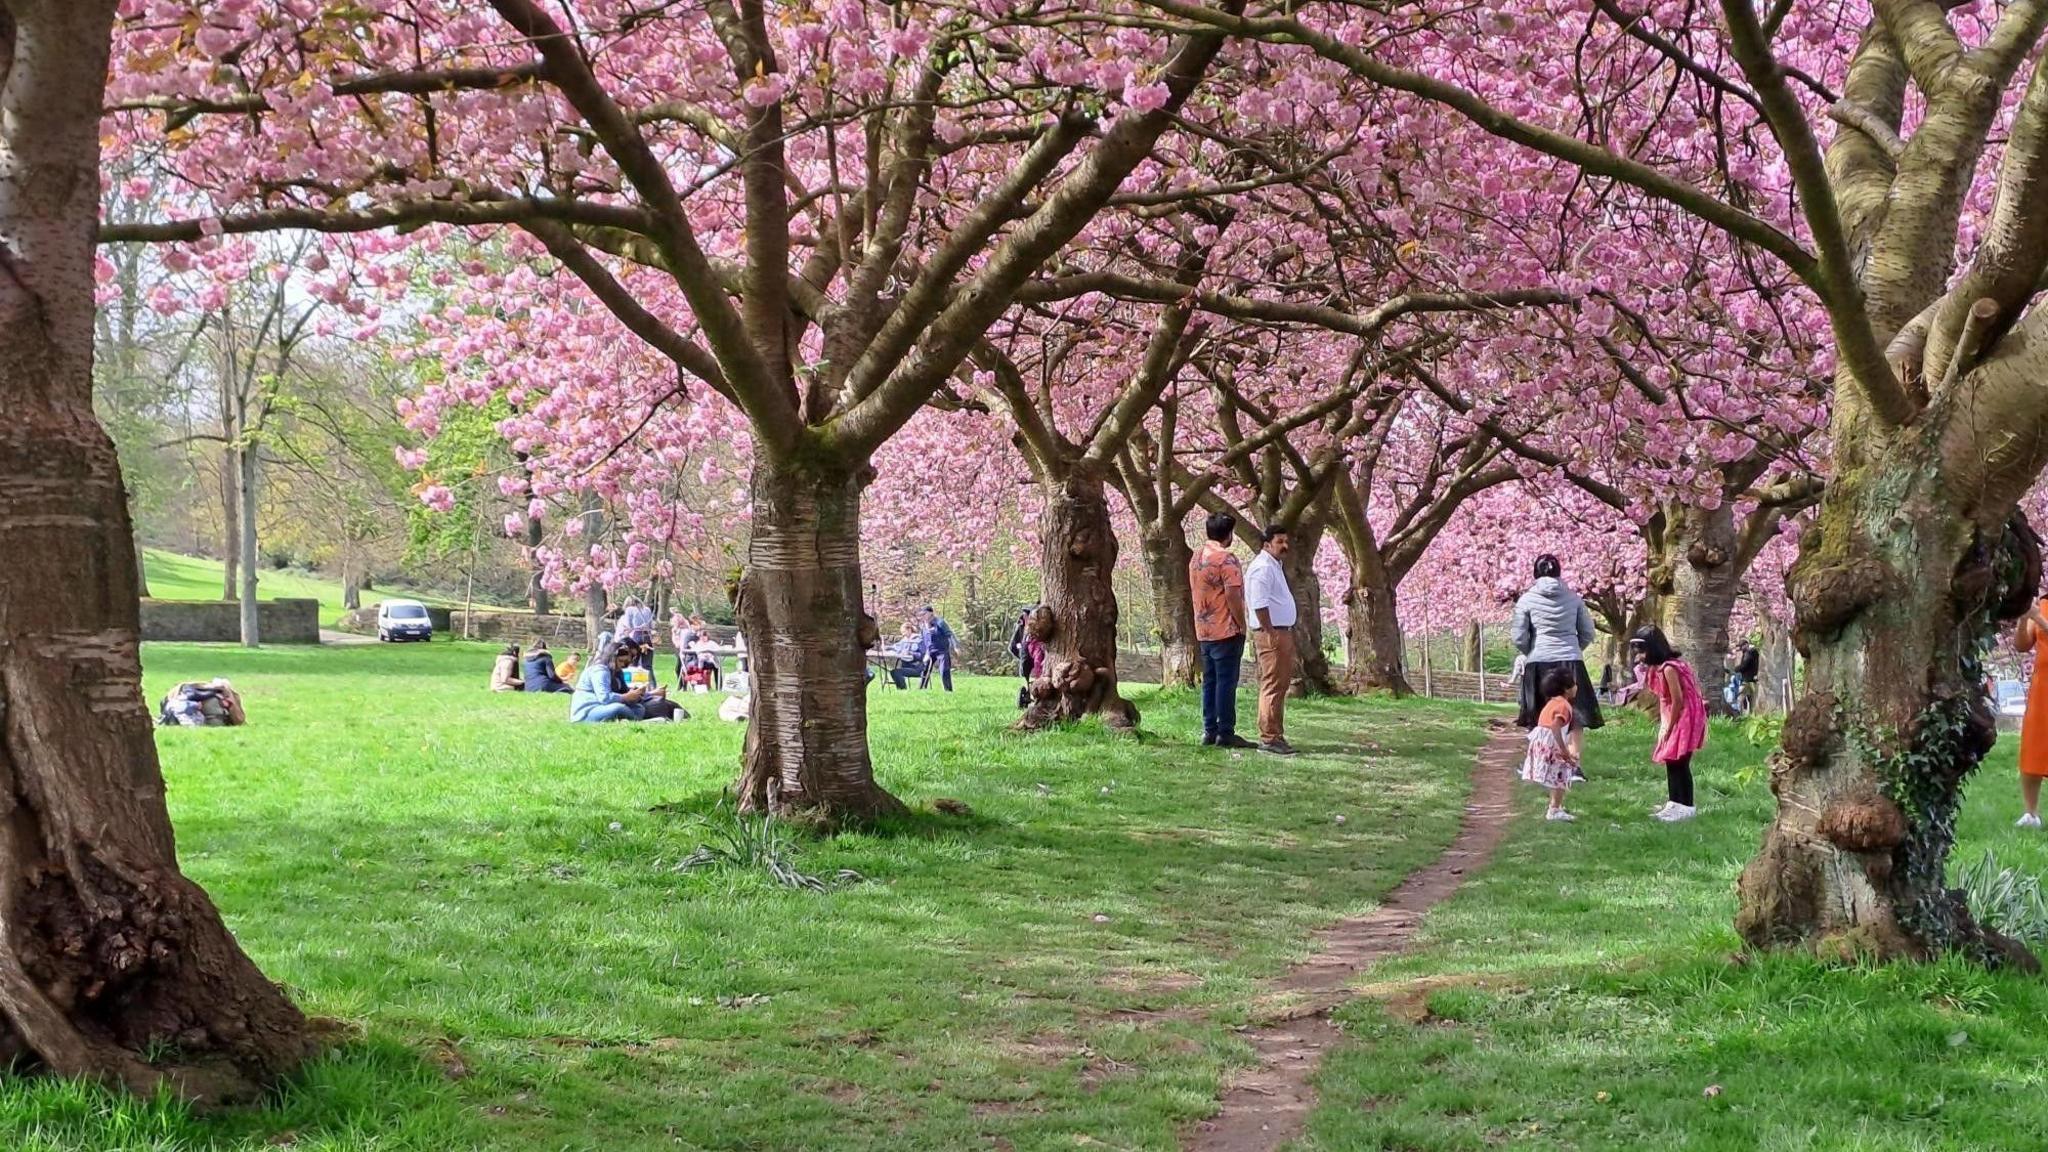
1222,661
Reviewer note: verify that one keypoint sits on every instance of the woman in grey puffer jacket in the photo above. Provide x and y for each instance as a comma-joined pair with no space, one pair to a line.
1552,630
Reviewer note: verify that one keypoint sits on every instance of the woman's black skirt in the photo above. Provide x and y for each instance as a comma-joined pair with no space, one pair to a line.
1586,703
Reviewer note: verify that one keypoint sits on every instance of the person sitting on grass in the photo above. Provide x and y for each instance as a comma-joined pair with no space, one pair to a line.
601,695
1549,762
537,672
639,674
568,668
505,671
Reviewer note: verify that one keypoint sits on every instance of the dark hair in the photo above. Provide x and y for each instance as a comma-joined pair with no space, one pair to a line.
1219,526
511,650
1656,649
1555,683
1547,565
1273,532
536,645
611,651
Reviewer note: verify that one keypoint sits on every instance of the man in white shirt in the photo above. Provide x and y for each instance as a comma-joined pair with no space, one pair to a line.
1271,606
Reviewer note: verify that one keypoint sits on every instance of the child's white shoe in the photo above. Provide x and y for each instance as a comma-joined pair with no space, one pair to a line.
1674,813
1661,809
2029,820
1560,815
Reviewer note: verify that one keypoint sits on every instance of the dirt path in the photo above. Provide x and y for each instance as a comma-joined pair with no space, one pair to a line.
1268,1105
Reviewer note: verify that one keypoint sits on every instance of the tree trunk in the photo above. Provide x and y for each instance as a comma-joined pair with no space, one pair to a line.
141,568
1474,652
1704,581
351,595
1312,665
113,966
1897,593
245,500
536,591
594,595
1777,668
230,517
1078,551
1167,556
799,607
1372,631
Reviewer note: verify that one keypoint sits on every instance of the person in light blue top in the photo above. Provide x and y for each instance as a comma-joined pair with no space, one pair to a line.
595,702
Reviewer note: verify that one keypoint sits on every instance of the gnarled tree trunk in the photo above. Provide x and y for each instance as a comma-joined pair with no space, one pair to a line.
1312,666
1897,592
1704,579
799,607
113,966
1372,630
1167,556
1078,549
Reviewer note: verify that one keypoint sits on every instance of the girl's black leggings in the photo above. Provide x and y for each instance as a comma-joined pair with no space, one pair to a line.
1678,780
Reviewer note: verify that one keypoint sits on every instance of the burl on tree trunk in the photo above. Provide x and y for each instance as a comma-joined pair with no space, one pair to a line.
1078,547
1167,556
799,607
1896,594
113,966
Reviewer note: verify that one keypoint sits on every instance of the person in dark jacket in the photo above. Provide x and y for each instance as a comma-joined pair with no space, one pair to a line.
1552,629
537,671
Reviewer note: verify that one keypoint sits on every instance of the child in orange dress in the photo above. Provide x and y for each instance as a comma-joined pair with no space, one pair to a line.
1550,762
2034,728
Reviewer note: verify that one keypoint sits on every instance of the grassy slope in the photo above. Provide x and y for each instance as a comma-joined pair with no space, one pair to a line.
177,577
441,866
1608,947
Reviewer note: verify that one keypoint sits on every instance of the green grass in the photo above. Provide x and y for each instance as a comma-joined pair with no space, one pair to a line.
466,877
1586,997
173,576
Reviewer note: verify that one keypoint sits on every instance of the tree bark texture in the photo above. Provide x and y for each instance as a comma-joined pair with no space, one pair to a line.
1897,593
1312,675
230,525
536,590
1078,550
113,966
245,501
799,607
1704,578
1372,630
1167,556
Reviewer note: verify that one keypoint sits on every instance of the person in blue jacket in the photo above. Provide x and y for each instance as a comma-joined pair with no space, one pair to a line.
938,647
596,701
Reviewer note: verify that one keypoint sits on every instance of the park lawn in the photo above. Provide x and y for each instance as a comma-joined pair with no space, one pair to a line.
1582,993
173,576
478,886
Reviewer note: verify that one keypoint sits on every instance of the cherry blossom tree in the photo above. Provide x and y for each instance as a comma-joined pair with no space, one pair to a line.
815,214
113,965
1919,233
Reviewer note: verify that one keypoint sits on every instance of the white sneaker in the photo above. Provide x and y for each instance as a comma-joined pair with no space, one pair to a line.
1673,813
1661,809
2029,820
1560,815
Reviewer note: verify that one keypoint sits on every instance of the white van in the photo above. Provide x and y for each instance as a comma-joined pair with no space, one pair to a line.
403,620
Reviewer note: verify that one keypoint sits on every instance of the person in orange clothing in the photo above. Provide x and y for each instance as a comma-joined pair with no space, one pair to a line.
2034,729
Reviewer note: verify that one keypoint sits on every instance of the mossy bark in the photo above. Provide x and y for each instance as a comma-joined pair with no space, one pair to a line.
1898,590
1701,578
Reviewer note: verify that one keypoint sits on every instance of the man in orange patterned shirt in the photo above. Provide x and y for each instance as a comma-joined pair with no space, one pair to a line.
1218,586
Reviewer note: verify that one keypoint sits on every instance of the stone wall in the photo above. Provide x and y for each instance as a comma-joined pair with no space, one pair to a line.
220,621
511,626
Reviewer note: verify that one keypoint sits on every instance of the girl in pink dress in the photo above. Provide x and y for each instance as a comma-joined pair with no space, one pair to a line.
1682,725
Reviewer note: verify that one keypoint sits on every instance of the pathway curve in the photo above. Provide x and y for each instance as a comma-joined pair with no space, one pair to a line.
1268,1105
330,636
